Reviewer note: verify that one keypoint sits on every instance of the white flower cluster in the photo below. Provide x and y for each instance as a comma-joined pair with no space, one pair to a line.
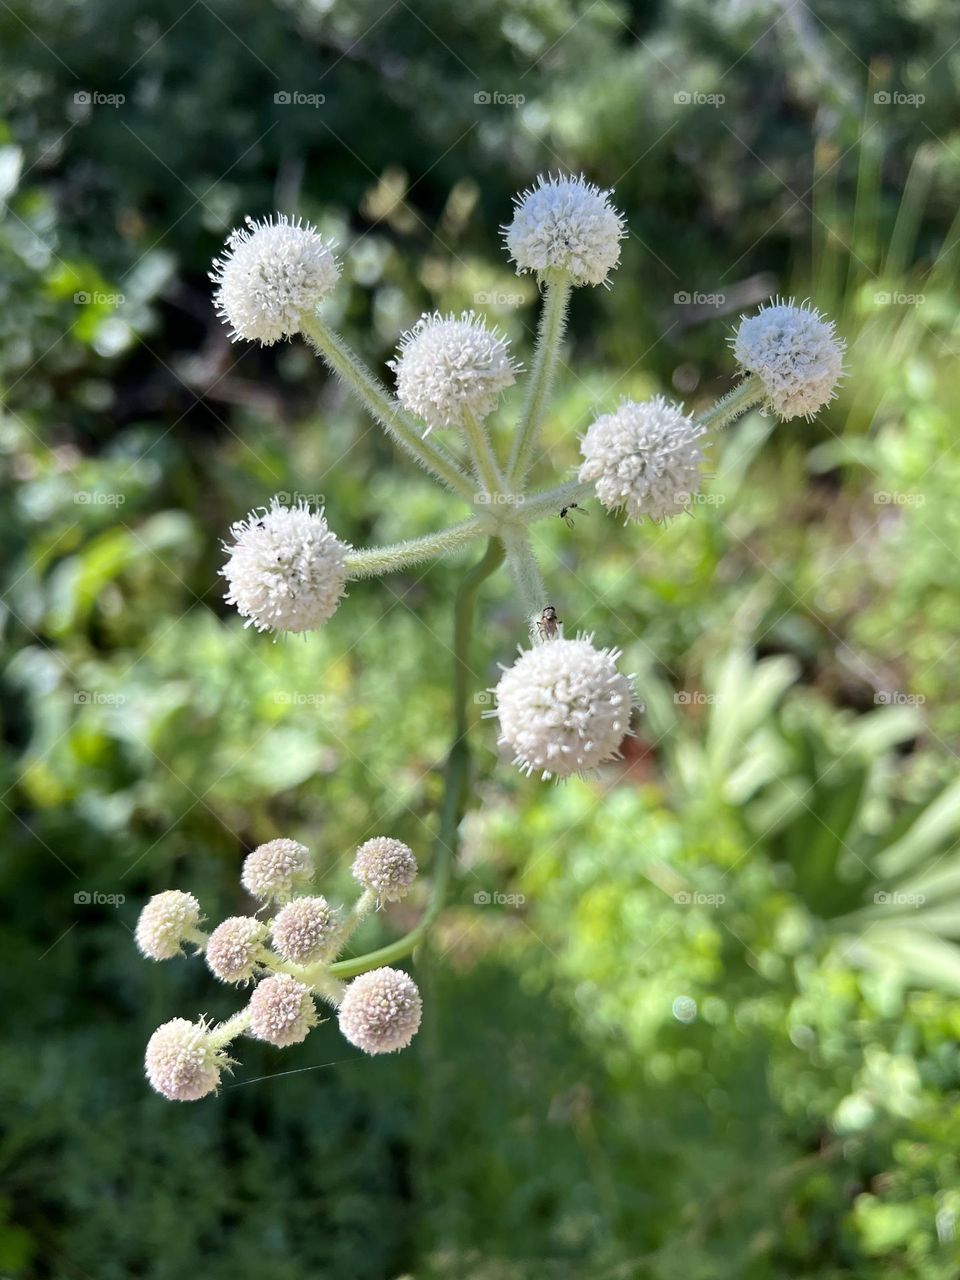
288,958
286,570
449,365
796,354
565,227
270,276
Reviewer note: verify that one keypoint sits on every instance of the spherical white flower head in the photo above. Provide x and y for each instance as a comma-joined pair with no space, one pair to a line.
182,1063
281,1011
234,948
565,226
166,922
448,364
380,1011
386,867
563,707
306,930
271,275
796,354
275,869
286,570
644,458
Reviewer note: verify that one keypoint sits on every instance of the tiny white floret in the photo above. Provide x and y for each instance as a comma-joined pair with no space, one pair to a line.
380,1011
182,1062
166,922
565,227
386,867
796,354
273,870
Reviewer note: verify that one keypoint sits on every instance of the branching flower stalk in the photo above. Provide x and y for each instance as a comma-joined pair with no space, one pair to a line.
563,707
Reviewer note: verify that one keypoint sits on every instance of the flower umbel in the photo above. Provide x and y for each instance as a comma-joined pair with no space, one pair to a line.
563,707
270,275
380,1011
167,921
796,354
644,458
286,569
386,867
446,365
566,226
182,1062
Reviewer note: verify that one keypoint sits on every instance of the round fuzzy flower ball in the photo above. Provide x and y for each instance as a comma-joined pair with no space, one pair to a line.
565,226
234,947
563,707
644,458
446,365
796,354
281,1011
275,869
380,1011
386,867
270,275
305,930
286,570
181,1062
166,922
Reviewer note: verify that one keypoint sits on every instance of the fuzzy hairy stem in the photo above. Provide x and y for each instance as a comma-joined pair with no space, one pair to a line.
484,459
522,563
747,395
222,1034
550,331
381,405
370,562
456,778
550,502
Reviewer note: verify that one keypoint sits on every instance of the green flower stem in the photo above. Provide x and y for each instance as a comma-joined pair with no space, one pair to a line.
378,402
221,1035
357,914
526,575
484,460
373,561
747,395
198,938
456,783
553,319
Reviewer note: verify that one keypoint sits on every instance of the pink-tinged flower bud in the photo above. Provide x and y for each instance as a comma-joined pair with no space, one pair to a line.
305,930
234,948
275,869
281,1011
380,1011
182,1063
386,867
166,922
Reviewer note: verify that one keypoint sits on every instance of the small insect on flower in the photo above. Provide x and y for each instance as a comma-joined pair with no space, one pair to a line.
548,624
567,518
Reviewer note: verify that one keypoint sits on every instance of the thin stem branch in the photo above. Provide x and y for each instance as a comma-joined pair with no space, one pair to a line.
553,318
381,405
522,563
484,459
550,502
456,775
370,562
747,395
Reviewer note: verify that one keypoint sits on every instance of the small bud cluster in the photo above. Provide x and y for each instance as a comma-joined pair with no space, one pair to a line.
287,957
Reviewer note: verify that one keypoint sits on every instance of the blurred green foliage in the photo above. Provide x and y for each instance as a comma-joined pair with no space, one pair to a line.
719,1035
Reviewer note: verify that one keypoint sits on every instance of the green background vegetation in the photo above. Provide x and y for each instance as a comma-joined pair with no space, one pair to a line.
719,1038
